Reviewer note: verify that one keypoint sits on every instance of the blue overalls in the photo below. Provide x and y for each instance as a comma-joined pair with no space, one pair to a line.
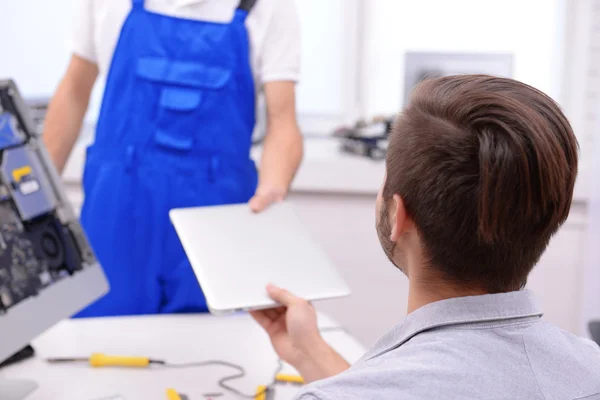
174,130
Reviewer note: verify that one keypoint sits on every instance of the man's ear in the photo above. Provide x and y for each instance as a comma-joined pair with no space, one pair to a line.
399,220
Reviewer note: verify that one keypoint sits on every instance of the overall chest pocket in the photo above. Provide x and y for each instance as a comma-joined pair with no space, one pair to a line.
188,98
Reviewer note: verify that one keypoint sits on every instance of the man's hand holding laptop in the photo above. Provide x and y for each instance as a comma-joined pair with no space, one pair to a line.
295,336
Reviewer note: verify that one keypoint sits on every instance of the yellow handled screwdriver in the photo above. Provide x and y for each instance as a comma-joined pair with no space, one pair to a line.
99,360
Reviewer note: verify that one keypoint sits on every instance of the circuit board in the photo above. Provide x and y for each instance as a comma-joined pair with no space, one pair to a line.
34,255
21,272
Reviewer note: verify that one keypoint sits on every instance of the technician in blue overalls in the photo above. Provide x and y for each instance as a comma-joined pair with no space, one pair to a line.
174,130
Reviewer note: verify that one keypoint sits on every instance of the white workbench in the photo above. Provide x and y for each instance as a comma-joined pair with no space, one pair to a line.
176,339
324,168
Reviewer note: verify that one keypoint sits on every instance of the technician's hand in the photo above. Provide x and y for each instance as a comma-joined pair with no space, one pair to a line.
295,336
265,196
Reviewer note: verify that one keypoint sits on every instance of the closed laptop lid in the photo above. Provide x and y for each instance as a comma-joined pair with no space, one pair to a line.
235,253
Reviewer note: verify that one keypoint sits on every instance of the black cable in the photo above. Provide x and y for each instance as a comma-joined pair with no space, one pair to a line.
223,382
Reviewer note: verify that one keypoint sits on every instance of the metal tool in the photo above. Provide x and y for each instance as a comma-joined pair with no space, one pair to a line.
99,360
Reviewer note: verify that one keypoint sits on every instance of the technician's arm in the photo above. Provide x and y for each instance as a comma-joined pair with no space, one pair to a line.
67,109
282,151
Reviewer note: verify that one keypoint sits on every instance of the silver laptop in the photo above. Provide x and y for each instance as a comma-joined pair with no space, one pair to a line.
235,254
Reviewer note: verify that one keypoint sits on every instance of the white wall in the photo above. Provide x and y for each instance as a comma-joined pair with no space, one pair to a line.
36,43
588,32
590,292
530,29
324,28
582,81
327,92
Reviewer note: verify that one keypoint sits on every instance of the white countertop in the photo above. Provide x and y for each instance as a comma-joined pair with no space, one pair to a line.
324,169
173,338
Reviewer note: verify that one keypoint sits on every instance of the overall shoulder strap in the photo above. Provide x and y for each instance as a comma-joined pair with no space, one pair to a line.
246,5
137,3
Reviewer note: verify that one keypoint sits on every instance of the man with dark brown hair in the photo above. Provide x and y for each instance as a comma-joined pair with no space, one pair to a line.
480,175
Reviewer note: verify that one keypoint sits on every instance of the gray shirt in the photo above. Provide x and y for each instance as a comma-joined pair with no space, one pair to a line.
481,347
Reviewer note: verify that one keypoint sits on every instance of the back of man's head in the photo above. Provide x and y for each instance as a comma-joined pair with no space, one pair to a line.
485,167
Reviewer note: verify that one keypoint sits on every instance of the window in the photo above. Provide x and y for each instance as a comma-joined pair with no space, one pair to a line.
328,89
529,30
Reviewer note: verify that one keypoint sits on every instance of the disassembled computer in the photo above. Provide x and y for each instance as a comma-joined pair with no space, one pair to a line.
48,270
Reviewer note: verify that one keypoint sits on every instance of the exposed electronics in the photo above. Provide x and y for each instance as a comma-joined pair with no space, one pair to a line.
366,139
48,270
236,253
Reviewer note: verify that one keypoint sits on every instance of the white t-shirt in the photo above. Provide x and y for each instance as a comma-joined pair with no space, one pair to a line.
273,26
